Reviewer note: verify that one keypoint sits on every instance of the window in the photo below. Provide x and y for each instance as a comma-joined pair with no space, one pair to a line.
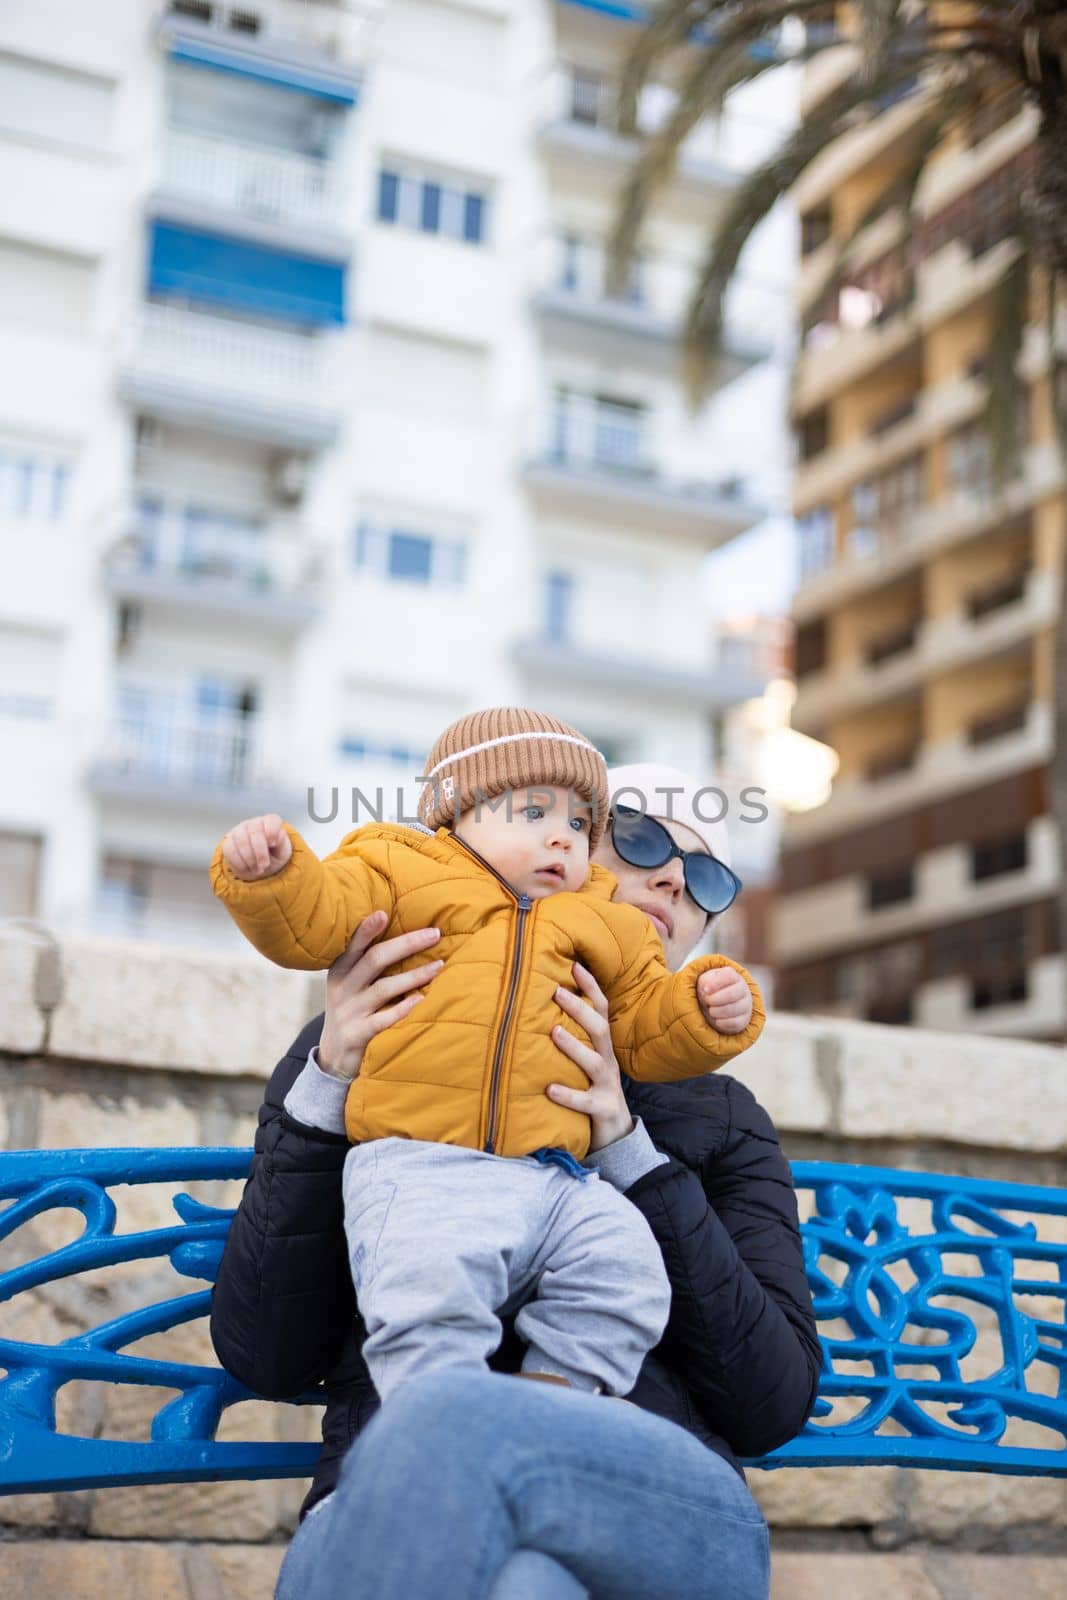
402,556
885,503
813,434
133,895
588,97
432,205
559,600
599,428
20,872
969,461
899,412
814,229
815,538
999,724
895,1011
29,673
896,641
1005,988
582,270
985,946
996,856
33,486
890,888
388,196
380,751
53,287
55,103
1006,591
809,647
900,758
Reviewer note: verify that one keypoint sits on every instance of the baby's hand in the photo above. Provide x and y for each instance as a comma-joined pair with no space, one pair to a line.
257,848
725,999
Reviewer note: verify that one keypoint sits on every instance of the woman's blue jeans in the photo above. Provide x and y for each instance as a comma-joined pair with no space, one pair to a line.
482,1486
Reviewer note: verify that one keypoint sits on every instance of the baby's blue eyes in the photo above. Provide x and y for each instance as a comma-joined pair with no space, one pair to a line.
535,813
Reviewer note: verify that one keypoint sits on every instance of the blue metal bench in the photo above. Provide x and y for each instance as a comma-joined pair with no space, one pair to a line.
883,1251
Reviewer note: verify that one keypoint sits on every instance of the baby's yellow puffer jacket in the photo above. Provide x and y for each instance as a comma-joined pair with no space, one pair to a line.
471,1063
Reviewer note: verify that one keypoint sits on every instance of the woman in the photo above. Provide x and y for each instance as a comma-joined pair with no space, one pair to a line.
473,1484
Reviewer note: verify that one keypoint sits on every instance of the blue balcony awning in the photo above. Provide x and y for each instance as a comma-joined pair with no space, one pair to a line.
248,277
319,79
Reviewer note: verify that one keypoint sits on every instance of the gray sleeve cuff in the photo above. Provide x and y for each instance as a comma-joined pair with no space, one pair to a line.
628,1159
317,1099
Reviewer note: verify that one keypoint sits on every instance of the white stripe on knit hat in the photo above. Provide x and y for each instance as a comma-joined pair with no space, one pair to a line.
513,738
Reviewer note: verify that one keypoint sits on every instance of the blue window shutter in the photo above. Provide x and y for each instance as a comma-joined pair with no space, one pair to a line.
410,556
430,215
473,218
388,195
220,271
559,592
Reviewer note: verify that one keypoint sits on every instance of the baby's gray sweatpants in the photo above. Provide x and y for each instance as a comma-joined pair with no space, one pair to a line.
443,1240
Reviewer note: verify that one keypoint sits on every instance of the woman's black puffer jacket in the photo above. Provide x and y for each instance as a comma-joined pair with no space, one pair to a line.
738,1364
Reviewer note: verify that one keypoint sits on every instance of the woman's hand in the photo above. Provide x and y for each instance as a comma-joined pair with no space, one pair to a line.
603,1102
358,996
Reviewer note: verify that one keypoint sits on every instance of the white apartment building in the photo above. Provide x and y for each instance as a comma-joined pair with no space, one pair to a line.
317,428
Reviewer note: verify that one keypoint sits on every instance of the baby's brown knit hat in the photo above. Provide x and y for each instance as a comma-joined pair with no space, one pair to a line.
510,747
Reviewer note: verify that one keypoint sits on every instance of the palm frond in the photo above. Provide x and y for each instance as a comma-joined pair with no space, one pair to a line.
1057,363
750,204
717,73
877,21
720,69
671,25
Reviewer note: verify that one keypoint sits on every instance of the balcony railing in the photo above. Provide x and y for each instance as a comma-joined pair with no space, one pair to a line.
206,753
194,544
270,185
219,353
580,108
190,556
600,434
580,268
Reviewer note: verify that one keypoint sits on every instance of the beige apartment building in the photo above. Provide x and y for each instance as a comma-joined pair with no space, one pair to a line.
923,891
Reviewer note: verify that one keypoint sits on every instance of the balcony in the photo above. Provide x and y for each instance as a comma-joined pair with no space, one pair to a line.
578,134
256,382
278,196
643,325
188,763
966,512
898,663
317,46
939,409
594,457
838,913
188,559
1005,742
715,688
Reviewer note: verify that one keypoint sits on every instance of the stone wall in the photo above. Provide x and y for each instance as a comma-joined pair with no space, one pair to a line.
108,1043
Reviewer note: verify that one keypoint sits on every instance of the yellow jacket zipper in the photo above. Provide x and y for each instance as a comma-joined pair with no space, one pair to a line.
525,906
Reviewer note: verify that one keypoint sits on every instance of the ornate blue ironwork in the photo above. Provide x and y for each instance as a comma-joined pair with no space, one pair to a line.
879,1268
877,1271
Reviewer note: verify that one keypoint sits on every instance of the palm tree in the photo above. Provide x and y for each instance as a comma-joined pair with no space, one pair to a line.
958,58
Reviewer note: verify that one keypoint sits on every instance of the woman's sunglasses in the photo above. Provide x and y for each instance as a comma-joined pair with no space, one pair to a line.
641,841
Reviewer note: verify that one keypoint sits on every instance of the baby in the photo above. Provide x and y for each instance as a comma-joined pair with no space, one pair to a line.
443,1234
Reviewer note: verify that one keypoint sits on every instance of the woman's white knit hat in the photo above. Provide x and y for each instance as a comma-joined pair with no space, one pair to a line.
673,796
